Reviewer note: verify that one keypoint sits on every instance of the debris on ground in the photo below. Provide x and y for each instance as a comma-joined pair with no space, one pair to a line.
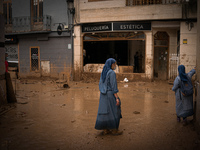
73,121
136,112
65,85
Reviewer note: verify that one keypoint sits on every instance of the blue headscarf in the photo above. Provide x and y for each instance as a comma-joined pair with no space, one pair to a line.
107,67
182,74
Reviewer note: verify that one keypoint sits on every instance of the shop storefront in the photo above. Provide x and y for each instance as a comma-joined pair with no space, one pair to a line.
157,45
124,41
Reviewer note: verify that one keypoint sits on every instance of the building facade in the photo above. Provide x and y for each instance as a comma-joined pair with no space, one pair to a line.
38,37
163,32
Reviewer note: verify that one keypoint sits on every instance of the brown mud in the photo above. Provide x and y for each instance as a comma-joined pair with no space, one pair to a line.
50,117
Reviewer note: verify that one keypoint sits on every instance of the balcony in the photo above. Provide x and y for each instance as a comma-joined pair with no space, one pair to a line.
152,2
26,24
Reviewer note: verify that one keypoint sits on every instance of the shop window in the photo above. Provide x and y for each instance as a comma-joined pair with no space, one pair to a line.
122,46
7,11
34,58
37,11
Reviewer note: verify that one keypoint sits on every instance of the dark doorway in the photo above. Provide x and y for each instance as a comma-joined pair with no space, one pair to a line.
161,55
98,51
97,47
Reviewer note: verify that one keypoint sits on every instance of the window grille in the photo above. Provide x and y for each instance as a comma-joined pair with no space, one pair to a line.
34,59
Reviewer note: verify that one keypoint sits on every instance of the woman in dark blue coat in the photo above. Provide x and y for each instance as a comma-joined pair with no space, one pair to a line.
109,112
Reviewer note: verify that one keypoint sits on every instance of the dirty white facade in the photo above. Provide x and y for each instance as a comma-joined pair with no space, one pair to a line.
163,32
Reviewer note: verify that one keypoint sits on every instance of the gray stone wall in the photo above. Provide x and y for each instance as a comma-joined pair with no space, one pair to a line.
53,49
21,8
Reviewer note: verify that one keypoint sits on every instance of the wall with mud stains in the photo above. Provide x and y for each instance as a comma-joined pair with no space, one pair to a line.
52,49
78,53
149,55
188,50
172,33
95,77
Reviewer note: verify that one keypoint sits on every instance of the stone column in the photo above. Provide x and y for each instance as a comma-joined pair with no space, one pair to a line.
78,53
149,55
188,51
3,99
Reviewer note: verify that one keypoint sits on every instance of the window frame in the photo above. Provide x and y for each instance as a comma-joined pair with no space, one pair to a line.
38,12
38,58
8,16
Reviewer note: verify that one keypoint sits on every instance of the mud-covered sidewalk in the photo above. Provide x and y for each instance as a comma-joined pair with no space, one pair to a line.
50,117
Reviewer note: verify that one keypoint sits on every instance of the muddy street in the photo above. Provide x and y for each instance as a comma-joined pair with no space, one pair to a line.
50,117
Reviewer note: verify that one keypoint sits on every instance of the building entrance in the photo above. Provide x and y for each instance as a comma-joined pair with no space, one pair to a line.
161,55
122,46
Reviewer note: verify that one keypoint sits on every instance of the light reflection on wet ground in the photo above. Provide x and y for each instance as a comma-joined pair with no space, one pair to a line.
50,117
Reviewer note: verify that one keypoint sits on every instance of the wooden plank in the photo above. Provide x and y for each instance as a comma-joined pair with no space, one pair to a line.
93,37
135,35
127,35
117,39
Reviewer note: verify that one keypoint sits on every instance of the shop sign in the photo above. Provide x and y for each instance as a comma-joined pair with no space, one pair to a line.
116,26
97,27
131,26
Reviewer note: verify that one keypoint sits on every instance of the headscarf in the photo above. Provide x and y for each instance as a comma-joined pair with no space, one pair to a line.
107,67
182,74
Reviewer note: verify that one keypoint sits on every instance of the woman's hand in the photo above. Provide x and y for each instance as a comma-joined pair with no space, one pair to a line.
117,100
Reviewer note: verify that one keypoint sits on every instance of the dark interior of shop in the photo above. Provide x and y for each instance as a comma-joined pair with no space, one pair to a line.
98,51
